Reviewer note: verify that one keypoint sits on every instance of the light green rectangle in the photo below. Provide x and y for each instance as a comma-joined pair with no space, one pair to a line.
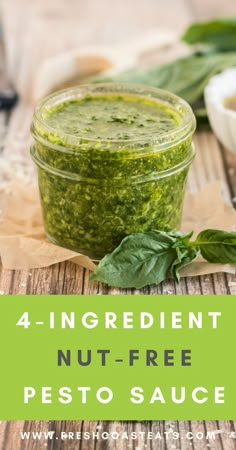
29,357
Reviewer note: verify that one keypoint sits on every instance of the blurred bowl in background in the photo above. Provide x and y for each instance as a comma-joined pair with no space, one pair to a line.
222,118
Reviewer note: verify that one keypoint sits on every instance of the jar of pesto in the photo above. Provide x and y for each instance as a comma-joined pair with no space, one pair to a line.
112,160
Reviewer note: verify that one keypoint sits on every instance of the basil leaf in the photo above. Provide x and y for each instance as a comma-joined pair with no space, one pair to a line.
217,246
220,33
147,258
185,257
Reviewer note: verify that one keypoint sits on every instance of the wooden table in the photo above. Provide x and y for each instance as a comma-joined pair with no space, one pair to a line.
212,163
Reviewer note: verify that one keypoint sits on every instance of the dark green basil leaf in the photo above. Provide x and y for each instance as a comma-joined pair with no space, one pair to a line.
185,257
145,258
220,33
217,246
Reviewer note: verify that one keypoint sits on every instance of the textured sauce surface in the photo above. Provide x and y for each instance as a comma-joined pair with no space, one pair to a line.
114,117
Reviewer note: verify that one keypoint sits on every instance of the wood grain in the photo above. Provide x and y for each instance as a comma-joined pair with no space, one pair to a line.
104,20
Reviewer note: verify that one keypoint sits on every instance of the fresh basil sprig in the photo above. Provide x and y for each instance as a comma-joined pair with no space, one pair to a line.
217,246
148,258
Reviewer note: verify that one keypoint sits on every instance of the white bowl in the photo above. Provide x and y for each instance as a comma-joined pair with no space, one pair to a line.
222,120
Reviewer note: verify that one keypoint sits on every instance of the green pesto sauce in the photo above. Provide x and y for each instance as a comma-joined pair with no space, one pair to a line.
102,189
112,117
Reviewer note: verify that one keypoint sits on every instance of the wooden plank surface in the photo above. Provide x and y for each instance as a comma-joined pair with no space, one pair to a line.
212,163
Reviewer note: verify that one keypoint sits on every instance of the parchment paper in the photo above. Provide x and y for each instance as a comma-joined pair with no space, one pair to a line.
23,244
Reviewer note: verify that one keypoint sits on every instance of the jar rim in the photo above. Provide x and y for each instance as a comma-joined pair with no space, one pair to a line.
163,140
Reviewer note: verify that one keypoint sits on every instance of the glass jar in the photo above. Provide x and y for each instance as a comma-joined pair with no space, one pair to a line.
95,191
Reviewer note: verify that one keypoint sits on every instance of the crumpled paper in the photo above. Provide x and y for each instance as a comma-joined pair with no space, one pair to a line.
23,244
